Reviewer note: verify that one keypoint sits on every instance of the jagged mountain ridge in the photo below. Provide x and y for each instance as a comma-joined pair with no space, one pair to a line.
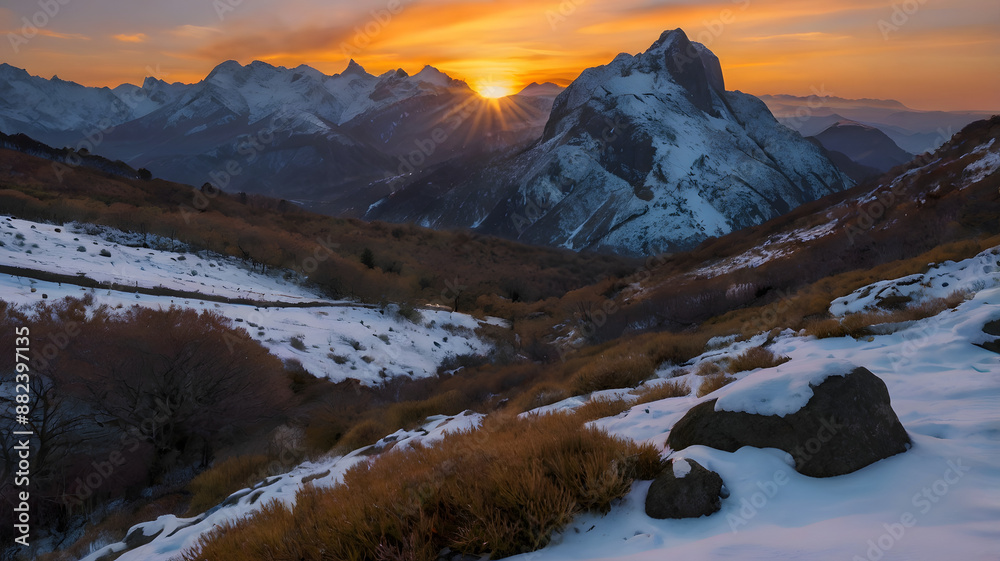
334,143
648,153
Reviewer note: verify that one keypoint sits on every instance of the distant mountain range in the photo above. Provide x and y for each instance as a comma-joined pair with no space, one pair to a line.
861,151
914,131
336,143
647,153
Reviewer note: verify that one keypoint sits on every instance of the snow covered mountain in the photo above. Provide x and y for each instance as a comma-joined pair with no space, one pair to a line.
58,112
648,153
336,143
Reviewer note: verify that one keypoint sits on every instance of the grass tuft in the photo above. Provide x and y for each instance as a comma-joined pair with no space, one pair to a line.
212,486
754,358
500,490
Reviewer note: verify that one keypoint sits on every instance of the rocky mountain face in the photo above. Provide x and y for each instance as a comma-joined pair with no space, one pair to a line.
648,153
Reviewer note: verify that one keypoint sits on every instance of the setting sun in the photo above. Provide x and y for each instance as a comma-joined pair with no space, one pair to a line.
493,89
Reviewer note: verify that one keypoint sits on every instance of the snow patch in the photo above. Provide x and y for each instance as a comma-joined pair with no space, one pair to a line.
780,390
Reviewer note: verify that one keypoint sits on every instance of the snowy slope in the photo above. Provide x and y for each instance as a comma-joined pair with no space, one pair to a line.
333,339
947,487
177,534
40,247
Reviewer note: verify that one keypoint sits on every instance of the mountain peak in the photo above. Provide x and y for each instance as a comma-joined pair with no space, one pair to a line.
668,39
150,82
433,76
850,123
354,69
228,68
547,89
258,64
691,65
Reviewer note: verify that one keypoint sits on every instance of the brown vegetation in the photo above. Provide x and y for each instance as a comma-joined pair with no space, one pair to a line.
753,358
500,490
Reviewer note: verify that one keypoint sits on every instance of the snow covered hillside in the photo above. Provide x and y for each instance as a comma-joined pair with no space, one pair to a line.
333,339
938,500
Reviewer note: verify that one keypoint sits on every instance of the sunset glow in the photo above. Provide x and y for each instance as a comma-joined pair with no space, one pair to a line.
493,89
929,56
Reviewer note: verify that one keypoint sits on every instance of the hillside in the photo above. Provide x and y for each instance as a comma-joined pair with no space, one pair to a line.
403,263
768,506
278,347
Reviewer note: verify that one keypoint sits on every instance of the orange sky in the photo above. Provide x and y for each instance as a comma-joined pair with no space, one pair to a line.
929,54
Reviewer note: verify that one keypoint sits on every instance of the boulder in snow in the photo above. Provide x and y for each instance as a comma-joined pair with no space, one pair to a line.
685,489
992,328
846,425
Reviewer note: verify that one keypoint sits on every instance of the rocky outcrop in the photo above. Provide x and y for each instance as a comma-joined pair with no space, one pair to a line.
846,425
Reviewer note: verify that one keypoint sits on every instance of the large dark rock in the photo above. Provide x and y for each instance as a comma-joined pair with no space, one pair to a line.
991,328
846,425
696,494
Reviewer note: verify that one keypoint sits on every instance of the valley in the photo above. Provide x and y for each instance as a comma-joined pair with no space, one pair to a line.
275,313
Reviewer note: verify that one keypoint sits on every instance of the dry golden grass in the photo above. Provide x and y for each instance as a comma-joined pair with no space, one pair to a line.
809,304
409,414
602,407
611,373
626,362
708,368
756,357
713,382
225,478
540,395
364,433
858,325
655,392
501,490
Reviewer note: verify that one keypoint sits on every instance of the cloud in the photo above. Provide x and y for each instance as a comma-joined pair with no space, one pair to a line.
194,31
130,38
807,36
